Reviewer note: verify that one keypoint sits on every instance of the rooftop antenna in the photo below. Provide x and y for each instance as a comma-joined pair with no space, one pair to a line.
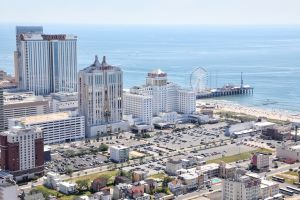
242,81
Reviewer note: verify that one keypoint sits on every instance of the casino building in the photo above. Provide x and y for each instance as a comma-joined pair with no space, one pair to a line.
158,97
45,63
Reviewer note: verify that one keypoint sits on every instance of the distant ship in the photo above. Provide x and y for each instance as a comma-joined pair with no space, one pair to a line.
269,102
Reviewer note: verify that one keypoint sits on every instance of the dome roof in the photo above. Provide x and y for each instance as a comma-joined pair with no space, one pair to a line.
157,71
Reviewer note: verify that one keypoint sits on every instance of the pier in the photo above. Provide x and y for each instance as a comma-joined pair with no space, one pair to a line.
226,91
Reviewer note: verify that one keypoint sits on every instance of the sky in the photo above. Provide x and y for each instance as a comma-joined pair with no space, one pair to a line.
173,12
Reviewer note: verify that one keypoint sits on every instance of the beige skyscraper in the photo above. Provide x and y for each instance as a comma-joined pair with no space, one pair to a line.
1,111
100,93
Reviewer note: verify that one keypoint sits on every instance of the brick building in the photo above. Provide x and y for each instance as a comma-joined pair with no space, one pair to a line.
22,152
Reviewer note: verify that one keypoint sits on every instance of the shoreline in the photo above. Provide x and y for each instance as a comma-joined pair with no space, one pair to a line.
228,106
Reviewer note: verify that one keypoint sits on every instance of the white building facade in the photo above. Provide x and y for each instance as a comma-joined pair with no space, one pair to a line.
119,153
241,188
47,63
57,127
166,97
139,106
101,98
172,166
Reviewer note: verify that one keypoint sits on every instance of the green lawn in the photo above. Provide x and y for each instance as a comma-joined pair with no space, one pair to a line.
107,174
288,180
158,176
292,173
289,176
48,191
60,196
241,156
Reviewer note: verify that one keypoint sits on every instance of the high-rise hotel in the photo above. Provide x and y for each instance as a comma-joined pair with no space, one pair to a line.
100,98
45,63
1,111
22,152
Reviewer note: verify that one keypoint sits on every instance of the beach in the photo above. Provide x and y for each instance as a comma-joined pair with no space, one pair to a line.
226,106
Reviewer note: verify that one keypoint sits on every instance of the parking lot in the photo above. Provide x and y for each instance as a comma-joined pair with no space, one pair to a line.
82,155
187,138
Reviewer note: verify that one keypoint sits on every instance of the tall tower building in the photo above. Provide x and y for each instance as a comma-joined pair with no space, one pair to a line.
1,111
100,98
46,63
17,54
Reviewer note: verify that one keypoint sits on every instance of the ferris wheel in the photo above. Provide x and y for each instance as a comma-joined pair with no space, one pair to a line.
198,79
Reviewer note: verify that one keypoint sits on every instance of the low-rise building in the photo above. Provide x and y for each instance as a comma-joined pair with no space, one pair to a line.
8,187
128,191
57,127
64,101
139,175
268,188
67,188
104,194
226,170
176,187
119,153
98,184
289,153
192,181
172,166
122,179
22,104
52,180
210,170
263,125
276,133
260,161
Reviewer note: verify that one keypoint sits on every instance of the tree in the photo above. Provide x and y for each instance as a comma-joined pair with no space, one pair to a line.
166,180
69,171
98,137
103,147
82,185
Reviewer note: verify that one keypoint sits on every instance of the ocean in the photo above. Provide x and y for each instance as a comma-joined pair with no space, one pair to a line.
268,56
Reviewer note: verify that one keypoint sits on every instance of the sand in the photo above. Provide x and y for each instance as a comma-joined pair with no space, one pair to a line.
221,105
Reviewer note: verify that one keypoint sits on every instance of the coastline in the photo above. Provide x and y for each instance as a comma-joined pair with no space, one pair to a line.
228,106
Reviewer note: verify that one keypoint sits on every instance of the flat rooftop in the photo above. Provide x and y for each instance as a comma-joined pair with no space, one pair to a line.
20,97
119,147
264,124
189,176
37,119
267,183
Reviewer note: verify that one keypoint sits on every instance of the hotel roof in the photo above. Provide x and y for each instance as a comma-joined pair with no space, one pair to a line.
37,119
119,147
46,37
103,66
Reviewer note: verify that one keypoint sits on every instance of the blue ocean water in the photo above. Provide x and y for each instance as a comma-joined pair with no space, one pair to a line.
269,56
